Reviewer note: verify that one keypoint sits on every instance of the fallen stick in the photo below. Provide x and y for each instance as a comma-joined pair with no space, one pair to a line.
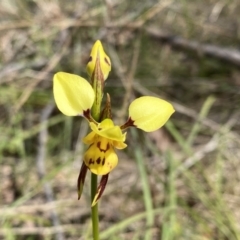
225,54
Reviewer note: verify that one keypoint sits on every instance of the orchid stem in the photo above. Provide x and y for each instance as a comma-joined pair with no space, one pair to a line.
95,219
97,79
94,178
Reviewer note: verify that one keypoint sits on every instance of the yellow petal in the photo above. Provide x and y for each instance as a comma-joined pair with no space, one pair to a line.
119,145
150,113
100,157
105,63
90,138
107,130
72,94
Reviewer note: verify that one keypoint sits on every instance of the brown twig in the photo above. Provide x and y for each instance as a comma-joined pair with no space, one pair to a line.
43,231
218,52
46,207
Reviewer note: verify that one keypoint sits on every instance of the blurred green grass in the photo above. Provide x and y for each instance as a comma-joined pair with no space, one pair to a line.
181,182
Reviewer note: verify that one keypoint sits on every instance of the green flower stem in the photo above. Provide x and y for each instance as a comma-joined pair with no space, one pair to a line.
94,180
95,219
97,83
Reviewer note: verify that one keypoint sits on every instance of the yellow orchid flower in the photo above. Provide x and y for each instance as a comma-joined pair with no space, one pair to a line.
100,157
75,96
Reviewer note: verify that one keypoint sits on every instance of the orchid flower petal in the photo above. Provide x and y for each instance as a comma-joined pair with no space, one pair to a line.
90,138
150,113
119,145
105,63
73,94
100,157
107,130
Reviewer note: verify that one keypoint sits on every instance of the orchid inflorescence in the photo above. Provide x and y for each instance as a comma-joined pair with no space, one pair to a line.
75,96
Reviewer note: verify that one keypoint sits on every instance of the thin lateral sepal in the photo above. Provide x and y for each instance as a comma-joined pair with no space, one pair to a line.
100,189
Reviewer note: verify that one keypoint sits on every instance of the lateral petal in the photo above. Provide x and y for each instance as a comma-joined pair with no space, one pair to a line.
73,94
150,113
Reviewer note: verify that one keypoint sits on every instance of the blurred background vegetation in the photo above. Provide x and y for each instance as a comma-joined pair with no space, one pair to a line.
180,182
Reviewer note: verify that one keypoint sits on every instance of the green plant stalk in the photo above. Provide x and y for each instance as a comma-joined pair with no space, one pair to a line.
94,180
95,219
120,226
169,225
197,125
179,138
97,84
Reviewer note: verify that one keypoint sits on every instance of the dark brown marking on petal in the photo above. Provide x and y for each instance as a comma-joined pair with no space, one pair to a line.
129,123
103,161
98,160
87,114
106,61
102,149
91,161
90,59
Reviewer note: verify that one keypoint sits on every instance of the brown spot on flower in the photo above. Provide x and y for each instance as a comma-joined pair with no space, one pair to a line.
103,161
90,59
91,161
129,123
87,114
106,61
102,149
98,160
